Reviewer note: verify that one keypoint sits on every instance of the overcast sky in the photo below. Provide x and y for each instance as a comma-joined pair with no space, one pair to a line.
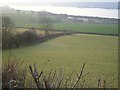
59,0
13,2
9,1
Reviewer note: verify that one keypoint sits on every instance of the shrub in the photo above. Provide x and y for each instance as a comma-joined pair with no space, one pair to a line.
7,31
26,38
29,37
13,76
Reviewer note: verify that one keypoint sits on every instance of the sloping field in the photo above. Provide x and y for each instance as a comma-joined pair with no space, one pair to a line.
100,53
28,20
88,27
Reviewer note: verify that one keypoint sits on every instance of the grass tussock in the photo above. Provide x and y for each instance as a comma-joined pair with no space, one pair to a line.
13,76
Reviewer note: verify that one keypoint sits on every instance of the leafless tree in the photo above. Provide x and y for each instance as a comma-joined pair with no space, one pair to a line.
45,21
7,30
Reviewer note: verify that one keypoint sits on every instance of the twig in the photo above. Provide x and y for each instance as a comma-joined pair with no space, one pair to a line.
49,74
60,81
53,78
79,77
98,83
104,83
68,79
35,79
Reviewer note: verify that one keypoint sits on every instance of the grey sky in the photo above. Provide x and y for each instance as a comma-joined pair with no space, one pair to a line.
58,0
18,2
73,0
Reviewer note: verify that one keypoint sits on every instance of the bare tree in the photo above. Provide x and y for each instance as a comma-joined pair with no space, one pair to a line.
7,30
45,21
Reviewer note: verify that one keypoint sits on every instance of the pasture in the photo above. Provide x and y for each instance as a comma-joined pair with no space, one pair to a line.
100,53
88,27
28,20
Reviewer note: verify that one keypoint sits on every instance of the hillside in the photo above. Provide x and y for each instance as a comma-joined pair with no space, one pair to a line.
58,45
100,53
64,22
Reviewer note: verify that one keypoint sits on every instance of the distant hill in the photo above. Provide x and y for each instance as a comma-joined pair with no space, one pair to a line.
105,5
55,18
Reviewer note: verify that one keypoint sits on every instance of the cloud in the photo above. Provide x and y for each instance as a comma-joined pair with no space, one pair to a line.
47,2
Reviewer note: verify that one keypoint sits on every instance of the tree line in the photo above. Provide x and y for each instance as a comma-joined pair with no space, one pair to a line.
12,40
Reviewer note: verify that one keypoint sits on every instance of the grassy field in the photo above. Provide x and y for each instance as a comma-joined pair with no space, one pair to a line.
25,20
100,53
88,27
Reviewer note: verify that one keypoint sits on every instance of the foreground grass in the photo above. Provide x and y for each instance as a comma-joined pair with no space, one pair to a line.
100,53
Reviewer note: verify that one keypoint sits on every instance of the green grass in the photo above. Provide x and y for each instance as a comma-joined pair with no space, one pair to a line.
100,53
88,27
21,20
25,20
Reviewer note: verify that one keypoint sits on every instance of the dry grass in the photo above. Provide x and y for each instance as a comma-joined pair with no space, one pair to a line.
12,75
15,77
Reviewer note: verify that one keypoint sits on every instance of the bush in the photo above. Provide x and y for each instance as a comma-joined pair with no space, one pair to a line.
26,38
7,31
13,76
10,40
22,39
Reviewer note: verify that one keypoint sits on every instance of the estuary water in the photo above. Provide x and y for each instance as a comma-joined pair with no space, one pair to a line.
95,12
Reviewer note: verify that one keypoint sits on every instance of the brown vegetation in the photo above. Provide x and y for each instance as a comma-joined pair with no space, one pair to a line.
15,77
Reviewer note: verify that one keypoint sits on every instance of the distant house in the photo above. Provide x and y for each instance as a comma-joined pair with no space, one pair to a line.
78,19
70,18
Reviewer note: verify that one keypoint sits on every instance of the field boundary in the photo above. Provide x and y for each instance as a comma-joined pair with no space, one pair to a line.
73,32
